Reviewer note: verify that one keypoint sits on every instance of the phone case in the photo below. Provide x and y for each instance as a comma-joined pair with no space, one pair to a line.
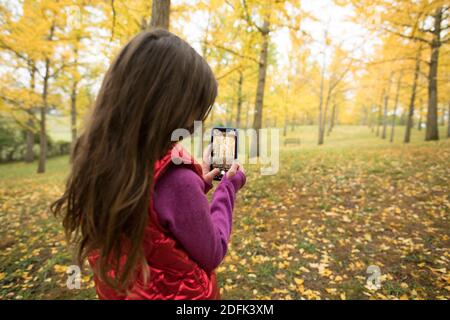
225,129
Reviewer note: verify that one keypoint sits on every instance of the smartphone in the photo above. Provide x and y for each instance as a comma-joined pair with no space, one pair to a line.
224,150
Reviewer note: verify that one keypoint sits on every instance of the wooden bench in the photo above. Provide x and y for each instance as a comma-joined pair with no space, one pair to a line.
295,141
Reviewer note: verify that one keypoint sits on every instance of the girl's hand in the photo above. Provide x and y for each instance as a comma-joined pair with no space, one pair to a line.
235,167
208,175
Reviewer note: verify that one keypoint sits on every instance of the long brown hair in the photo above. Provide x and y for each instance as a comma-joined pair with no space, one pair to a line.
156,84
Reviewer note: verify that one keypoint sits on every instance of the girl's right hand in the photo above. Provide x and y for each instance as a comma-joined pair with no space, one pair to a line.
235,167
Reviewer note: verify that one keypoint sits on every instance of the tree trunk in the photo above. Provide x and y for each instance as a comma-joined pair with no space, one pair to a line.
394,115
205,56
42,141
285,104
29,153
322,84
432,132
419,122
333,116
371,126
448,121
409,121
383,132
239,100
324,118
73,111
73,98
385,110
379,114
160,14
257,118
43,112
371,118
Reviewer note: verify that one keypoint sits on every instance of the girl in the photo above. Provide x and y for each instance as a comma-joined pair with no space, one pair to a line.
144,223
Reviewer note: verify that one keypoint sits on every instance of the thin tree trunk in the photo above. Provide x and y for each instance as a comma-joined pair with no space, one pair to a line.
205,36
322,84
160,14
43,113
432,132
394,115
324,118
29,153
448,121
380,108
377,132
239,101
73,111
419,122
205,56
286,118
383,133
409,121
371,125
257,118
73,99
386,101
332,119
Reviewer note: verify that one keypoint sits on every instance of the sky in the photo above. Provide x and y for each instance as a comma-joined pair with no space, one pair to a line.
340,28
353,37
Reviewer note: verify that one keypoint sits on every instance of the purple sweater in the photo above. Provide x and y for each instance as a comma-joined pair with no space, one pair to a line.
203,229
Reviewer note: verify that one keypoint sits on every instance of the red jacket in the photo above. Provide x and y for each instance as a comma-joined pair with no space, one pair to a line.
172,272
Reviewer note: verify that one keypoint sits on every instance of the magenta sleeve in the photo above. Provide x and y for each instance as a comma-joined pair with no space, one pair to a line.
203,229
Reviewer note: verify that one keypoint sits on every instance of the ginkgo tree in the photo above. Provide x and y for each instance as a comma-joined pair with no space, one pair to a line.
31,39
263,17
423,21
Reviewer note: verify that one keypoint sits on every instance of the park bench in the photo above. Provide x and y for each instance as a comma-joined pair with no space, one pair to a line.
295,141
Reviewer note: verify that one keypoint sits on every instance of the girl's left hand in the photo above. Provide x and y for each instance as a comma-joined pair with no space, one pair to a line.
208,175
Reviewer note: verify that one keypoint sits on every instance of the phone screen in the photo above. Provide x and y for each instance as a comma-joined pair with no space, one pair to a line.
224,149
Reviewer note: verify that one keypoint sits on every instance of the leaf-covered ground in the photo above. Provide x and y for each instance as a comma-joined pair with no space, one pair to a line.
309,232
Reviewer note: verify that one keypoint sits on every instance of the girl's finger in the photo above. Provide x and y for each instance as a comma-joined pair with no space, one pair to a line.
210,175
233,170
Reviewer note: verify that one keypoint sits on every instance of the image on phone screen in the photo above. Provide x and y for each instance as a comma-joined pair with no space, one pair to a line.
224,149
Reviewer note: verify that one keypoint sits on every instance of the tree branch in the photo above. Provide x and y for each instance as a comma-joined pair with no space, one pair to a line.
233,52
409,37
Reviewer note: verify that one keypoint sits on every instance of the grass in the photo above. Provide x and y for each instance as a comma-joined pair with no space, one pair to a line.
308,232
